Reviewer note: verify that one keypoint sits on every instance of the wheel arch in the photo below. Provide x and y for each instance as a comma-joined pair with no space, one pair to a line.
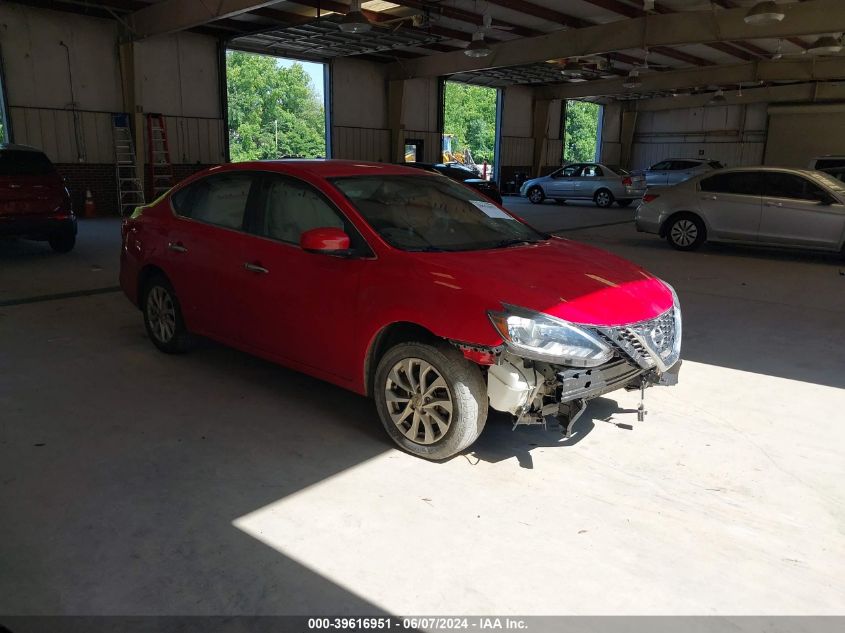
145,275
388,336
665,225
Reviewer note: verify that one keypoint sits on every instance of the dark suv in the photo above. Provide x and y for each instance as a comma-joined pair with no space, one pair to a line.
34,202
466,175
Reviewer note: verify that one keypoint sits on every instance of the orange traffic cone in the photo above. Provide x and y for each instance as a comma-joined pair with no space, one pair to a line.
90,207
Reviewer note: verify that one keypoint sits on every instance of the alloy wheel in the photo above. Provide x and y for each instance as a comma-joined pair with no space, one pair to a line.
161,314
603,199
684,232
535,195
418,400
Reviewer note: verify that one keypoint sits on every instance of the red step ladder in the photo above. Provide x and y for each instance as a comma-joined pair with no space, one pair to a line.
158,157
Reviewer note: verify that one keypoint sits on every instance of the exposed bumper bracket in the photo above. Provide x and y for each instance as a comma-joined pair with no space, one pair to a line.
568,414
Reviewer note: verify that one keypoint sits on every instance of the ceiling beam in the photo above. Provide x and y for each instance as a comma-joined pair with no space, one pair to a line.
730,4
689,27
794,93
727,75
636,12
170,16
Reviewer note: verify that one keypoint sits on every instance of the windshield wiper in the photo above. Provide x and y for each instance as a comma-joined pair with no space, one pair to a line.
512,242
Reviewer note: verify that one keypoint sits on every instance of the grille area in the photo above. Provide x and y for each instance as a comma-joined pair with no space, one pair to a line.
649,343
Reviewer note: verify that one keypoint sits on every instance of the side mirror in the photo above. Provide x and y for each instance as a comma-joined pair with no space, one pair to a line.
326,240
824,198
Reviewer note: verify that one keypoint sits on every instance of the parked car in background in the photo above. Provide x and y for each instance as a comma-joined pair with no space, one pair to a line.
401,285
34,202
769,206
603,184
466,175
836,172
675,170
827,162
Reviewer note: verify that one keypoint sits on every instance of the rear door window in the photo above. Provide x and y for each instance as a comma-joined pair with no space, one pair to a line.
745,183
662,166
784,185
15,162
220,199
592,171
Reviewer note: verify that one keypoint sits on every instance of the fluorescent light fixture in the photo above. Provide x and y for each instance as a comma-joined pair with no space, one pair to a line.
354,21
719,97
825,45
766,12
477,47
572,69
633,79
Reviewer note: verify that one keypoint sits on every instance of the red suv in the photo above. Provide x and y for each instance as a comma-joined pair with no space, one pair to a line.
34,202
401,285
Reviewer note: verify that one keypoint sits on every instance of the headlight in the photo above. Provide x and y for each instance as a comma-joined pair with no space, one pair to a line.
542,337
676,304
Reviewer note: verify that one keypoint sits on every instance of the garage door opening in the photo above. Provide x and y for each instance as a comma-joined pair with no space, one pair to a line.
471,116
276,107
581,129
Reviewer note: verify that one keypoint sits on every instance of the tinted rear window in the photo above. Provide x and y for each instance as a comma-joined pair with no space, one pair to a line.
21,163
715,164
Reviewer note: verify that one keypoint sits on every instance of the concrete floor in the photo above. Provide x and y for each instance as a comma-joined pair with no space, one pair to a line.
214,483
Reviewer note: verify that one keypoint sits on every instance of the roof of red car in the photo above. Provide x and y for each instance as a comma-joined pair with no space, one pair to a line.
325,168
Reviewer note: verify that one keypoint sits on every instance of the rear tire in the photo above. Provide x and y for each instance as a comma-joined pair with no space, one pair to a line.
62,242
163,317
536,195
685,232
603,198
416,385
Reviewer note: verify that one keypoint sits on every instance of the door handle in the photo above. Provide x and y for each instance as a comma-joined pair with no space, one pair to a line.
708,197
255,268
774,204
176,247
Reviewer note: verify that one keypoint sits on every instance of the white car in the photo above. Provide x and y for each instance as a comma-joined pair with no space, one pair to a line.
675,170
769,206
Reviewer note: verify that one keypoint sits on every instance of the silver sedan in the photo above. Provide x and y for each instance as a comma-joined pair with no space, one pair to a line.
769,206
603,184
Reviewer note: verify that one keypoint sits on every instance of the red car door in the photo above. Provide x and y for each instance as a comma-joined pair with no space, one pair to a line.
204,246
301,307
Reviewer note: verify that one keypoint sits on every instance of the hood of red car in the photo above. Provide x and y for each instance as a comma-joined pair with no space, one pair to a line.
566,279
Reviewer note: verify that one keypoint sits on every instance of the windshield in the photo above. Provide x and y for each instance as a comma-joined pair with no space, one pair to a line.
419,213
830,181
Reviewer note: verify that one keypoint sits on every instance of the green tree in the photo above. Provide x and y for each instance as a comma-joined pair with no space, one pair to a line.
470,115
273,111
580,131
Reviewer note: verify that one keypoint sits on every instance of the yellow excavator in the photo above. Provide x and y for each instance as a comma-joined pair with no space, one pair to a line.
451,156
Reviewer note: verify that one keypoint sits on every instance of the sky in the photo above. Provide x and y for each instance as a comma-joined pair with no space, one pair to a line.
315,72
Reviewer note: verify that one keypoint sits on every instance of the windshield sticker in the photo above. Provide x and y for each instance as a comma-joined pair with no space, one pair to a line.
490,210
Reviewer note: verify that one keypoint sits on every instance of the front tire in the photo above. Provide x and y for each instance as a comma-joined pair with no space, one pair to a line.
603,198
685,232
431,400
163,317
536,195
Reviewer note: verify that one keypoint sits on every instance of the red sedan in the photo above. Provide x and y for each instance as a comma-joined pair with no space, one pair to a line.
401,285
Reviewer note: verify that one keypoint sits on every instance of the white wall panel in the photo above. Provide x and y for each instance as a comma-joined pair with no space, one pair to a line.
734,135
39,69
359,94
356,143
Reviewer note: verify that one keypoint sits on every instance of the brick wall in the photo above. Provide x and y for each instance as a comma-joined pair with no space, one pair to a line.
101,180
